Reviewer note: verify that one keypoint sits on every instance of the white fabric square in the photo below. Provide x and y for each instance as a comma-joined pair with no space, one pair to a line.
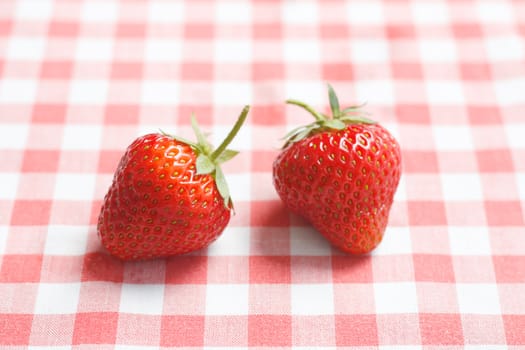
3,238
300,12
231,93
395,298
494,12
160,92
312,91
380,92
226,299
307,241
515,135
239,185
505,48
312,299
445,92
14,91
26,48
242,141
100,10
75,186
233,241
365,12
521,185
452,138
14,136
304,51
163,50
81,137
89,92
237,51
168,12
57,298
8,185
401,191
145,299
94,49
233,12
396,240
461,187
66,240
438,50
468,240
34,10
510,91
480,299
430,12
369,51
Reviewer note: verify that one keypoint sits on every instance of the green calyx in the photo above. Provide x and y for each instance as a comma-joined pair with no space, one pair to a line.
339,119
209,160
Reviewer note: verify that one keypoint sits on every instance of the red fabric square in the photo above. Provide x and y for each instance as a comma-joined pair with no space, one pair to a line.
399,31
102,267
122,114
5,27
313,331
267,30
49,113
266,115
333,31
269,330
420,162
495,160
413,113
186,269
138,329
40,161
270,269
126,70
20,268
464,30
108,161
269,213
197,71
63,28
352,269
182,331
15,329
198,31
433,268
356,330
475,71
264,161
338,71
266,71
56,69
131,30
398,329
514,329
52,330
226,331
203,113
31,212
509,269
407,70
441,329
504,213
426,213
95,328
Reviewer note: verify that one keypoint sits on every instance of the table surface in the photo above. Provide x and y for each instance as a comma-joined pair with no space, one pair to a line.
79,80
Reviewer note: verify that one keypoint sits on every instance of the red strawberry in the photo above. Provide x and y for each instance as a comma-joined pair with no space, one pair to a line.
168,196
340,173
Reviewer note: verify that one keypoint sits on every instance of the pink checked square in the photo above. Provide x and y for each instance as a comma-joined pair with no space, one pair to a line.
26,240
69,212
12,159
270,269
413,113
138,329
509,269
102,267
121,114
430,182
6,208
457,162
15,329
228,269
463,213
392,268
141,272
31,212
420,161
52,330
269,330
433,240
36,186
313,331
311,269
514,326
507,240
192,295
474,269
500,186
182,331
356,330
433,268
187,269
354,298
476,329
95,328
21,268
350,269
18,298
441,329
226,331
99,296
398,329
504,213
427,213
510,304
40,161
61,269
437,298
270,299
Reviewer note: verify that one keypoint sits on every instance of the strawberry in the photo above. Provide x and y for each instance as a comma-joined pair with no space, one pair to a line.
340,173
168,196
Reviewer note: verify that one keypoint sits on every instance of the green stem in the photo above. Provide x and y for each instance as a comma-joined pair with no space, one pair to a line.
312,111
232,134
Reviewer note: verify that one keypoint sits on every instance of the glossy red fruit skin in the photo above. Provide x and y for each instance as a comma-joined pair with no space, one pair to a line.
343,182
157,205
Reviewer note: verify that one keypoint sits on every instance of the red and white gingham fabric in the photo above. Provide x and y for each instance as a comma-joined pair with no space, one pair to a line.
80,79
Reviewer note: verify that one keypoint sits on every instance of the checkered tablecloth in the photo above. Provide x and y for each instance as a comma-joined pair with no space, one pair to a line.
80,79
